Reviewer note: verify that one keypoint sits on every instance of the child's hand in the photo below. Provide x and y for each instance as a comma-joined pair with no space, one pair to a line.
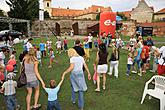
89,76
43,85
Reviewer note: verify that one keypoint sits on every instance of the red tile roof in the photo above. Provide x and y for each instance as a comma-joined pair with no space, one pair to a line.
161,11
153,24
75,12
126,13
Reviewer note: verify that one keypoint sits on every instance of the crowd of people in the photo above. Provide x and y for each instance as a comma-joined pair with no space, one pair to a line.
140,52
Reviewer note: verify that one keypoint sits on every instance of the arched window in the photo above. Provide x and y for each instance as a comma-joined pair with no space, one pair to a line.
47,4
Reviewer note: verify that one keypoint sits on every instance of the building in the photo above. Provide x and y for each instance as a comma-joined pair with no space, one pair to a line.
66,13
160,15
142,13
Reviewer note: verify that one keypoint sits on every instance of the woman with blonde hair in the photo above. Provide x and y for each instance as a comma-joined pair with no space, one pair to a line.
32,75
77,78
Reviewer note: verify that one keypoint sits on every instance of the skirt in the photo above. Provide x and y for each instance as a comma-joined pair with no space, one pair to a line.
102,68
78,81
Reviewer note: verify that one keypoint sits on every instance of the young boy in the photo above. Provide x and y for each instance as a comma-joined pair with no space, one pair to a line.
8,88
38,55
129,64
52,95
58,46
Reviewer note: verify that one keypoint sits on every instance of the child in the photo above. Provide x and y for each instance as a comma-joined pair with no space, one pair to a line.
2,76
42,48
86,49
10,93
52,95
58,46
51,57
49,45
129,64
13,61
38,55
65,44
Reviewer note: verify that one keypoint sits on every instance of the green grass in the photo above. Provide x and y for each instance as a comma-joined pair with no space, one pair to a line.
123,93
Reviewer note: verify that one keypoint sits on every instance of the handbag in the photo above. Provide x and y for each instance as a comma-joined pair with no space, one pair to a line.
22,78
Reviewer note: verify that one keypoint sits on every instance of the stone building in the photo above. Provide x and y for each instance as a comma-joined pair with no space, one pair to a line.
160,15
66,13
142,13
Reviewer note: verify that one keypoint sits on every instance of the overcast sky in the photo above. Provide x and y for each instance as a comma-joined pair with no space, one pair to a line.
116,5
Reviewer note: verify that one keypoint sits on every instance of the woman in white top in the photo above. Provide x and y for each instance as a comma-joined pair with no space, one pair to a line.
77,78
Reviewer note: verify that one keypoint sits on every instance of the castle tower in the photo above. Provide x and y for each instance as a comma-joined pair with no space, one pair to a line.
48,7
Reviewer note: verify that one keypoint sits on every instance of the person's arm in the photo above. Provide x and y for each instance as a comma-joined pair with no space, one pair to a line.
86,68
68,70
3,88
60,83
97,58
38,74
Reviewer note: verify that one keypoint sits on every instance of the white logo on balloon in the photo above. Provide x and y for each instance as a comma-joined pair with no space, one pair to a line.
109,22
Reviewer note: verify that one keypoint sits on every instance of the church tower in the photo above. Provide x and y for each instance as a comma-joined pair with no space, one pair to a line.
142,13
48,7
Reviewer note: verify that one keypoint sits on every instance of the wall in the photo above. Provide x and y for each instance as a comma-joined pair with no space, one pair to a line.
159,16
128,28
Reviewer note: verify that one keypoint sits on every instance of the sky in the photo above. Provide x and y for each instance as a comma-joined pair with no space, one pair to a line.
116,5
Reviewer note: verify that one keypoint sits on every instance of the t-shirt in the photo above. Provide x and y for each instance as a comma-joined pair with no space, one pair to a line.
86,45
79,50
52,93
58,43
38,54
78,63
129,61
9,86
132,41
145,50
139,53
90,38
49,44
28,46
162,52
42,46
65,41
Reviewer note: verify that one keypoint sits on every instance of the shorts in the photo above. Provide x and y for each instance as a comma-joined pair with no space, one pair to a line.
32,84
161,69
102,68
145,60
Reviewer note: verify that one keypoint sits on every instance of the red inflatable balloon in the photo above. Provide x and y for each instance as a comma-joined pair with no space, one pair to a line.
9,68
11,62
108,23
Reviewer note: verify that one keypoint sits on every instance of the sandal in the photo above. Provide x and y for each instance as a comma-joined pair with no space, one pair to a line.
97,90
37,107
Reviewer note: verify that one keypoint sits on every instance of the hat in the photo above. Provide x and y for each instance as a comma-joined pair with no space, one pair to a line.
9,68
10,75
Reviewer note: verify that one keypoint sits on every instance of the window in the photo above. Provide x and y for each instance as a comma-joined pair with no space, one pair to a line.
47,4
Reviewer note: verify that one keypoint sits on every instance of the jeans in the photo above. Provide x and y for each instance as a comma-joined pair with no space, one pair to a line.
128,68
53,105
80,98
11,102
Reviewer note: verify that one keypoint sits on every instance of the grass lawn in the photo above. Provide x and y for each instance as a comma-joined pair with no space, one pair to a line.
123,93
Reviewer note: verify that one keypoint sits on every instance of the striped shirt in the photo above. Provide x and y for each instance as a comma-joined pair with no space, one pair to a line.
9,87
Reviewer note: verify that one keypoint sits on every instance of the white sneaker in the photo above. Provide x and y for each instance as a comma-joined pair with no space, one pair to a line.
139,74
109,73
134,71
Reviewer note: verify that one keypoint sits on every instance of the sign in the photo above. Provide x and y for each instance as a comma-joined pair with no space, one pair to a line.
108,23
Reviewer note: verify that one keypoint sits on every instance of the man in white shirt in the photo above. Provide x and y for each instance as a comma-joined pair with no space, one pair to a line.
161,61
90,37
29,45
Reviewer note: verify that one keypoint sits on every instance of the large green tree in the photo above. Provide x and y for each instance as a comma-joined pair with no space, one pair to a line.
23,9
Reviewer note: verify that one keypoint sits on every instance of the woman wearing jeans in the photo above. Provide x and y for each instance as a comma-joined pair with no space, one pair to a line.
77,78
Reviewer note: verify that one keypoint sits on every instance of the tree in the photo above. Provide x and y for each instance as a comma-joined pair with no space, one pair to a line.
98,16
122,16
23,9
